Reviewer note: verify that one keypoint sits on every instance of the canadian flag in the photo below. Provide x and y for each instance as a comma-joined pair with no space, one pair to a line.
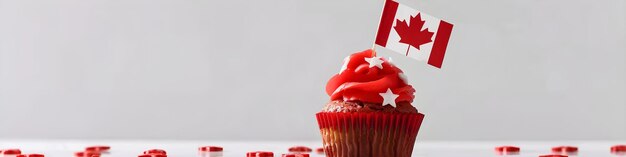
413,33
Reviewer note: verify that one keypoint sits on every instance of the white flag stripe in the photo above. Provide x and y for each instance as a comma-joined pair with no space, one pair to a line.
404,13
429,34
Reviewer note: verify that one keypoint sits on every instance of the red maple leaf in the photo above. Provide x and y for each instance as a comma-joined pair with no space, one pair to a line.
412,33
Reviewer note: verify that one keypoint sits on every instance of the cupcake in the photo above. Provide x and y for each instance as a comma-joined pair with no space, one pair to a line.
369,113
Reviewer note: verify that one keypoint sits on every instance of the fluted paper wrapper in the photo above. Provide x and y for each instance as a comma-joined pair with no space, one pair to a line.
369,134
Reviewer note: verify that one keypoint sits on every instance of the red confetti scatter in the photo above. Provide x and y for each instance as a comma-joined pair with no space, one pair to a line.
618,148
295,155
507,149
152,155
553,155
100,148
155,151
320,150
567,149
11,152
30,155
300,149
260,154
211,149
36,155
86,154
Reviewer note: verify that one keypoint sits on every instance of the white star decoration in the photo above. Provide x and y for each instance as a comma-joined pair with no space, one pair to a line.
389,98
375,61
345,64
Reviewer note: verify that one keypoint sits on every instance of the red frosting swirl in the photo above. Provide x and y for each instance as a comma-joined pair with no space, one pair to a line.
359,82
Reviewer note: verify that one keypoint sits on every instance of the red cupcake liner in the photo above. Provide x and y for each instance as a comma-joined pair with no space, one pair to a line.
374,134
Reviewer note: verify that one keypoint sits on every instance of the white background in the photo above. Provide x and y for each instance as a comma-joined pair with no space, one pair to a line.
256,70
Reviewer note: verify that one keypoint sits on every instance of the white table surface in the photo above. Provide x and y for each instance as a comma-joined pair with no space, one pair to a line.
132,148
